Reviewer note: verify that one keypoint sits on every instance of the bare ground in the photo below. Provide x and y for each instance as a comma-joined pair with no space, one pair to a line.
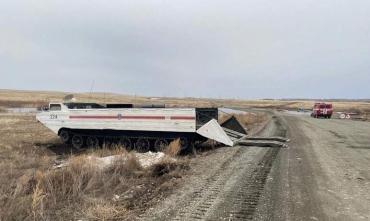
323,175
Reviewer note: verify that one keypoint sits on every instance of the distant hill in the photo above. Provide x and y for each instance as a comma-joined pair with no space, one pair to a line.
22,98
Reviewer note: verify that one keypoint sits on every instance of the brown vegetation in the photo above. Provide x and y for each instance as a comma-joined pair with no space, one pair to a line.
38,98
83,190
15,103
173,149
247,119
107,150
31,189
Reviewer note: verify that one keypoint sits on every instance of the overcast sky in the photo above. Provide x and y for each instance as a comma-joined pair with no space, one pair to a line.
200,48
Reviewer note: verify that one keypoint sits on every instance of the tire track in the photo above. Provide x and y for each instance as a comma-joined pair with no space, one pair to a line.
211,184
241,203
207,196
233,191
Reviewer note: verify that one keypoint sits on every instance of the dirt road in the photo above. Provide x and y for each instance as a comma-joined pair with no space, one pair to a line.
323,175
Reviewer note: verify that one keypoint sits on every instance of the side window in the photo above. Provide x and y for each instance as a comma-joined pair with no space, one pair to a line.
55,107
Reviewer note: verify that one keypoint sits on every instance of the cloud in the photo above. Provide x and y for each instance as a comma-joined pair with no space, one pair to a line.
234,49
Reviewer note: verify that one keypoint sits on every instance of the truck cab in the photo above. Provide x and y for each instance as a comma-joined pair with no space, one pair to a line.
324,110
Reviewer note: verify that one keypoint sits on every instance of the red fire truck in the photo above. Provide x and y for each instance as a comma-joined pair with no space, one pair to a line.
324,110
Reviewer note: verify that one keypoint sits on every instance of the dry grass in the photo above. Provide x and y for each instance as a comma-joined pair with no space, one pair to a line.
107,150
170,168
174,148
31,190
18,98
18,164
79,184
247,119
37,98
15,103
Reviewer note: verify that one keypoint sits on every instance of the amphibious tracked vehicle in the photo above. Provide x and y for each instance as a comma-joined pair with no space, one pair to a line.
143,127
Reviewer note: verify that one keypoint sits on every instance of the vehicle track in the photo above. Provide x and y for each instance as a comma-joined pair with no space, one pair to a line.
241,203
232,192
205,201
233,197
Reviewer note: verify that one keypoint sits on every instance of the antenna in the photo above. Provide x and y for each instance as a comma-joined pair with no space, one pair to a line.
91,88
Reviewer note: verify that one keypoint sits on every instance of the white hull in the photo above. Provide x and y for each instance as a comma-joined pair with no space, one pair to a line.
151,119
173,120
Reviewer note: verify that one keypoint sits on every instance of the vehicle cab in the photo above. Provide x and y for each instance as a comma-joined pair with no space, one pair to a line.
322,110
52,115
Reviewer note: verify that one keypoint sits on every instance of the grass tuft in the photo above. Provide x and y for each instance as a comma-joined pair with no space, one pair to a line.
126,165
169,167
85,190
174,148
246,119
